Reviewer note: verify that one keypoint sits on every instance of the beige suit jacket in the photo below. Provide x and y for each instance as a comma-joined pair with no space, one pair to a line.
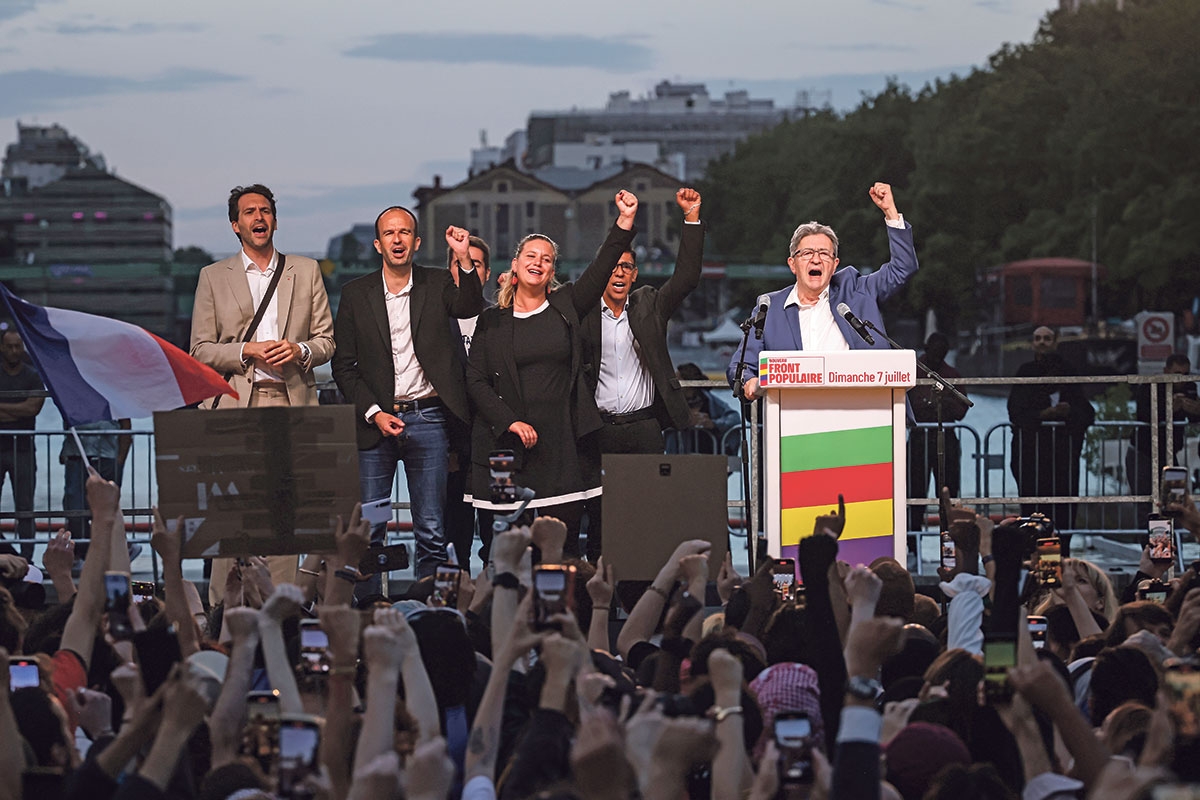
224,310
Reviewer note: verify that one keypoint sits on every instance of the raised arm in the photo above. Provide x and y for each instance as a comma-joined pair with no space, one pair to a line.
418,691
168,546
689,260
225,725
464,298
104,499
648,610
284,603
341,625
590,286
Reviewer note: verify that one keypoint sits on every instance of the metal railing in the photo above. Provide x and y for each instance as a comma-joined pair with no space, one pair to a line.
1103,499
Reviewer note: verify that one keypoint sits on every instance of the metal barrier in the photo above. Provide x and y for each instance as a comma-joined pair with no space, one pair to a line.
1104,502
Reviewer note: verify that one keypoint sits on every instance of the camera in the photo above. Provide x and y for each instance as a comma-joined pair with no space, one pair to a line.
553,593
117,597
793,737
314,643
500,465
784,578
1160,531
445,585
1048,561
999,656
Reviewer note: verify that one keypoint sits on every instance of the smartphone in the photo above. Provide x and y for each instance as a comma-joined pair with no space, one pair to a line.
500,465
157,652
142,590
117,595
313,644
23,673
1181,677
946,546
1161,531
1037,631
445,586
1174,486
262,704
378,512
383,559
785,578
299,745
1048,556
1154,591
553,593
999,656
793,736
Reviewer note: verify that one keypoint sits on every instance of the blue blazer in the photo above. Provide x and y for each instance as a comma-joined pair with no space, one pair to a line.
862,293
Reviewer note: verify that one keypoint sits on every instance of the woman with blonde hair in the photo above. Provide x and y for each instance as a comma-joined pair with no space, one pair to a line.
525,378
1085,586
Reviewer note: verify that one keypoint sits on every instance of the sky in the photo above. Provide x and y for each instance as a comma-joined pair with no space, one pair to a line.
344,108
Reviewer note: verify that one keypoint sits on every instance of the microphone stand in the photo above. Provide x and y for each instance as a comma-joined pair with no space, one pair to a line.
940,385
739,383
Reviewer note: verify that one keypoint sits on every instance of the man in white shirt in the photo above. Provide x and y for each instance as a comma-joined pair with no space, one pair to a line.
397,363
629,367
804,316
294,335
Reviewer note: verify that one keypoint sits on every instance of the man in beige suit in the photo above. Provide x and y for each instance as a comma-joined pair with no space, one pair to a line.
295,334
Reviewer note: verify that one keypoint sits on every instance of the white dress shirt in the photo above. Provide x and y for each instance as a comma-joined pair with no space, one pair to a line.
623,384
818,329
410,380
268,326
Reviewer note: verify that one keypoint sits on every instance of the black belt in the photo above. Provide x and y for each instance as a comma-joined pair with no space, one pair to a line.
625,419
405,406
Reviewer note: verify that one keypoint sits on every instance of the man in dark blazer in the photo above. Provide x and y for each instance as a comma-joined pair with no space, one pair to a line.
804,316
397,363
628,367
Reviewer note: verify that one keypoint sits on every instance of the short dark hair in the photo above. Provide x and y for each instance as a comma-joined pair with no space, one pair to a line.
1176,359
235,194
632,255
7,331
474,241
395,208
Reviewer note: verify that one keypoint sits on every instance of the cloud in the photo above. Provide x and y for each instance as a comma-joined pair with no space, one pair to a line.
903,4
35,89
10,9
858,47
615,54
135,29
303,200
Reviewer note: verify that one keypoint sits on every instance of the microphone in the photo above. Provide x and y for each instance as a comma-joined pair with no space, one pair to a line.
855,323
759,318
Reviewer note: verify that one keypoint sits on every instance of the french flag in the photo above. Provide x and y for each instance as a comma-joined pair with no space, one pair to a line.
98,368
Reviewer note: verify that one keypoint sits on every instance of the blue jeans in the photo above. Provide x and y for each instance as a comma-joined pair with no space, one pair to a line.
424,447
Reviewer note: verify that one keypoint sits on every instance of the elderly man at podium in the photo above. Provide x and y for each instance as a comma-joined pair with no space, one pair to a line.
806,316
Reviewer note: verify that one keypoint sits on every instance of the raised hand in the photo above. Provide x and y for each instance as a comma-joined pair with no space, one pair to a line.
725,671
549,535
103,496
13,568
627,206
60,554
354,539
242,624
694,567
600,586
283,603
258,572
397,624
833,523
689,201
870,642
728,578
341,625
458,240
167,543
428,772
509,547
93,710
382,649
862,589
881,195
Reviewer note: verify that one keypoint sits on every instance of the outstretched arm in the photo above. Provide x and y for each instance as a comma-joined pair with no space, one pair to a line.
688,262
590,287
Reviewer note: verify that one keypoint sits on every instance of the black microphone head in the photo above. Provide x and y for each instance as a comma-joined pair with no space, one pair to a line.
843,309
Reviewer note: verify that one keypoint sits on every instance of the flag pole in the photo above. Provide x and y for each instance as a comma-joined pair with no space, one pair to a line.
82,454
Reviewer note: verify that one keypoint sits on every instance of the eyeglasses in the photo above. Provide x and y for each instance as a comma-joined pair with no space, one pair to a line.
626,266
807,253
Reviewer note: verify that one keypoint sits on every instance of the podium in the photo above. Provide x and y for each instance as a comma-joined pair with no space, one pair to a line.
835,423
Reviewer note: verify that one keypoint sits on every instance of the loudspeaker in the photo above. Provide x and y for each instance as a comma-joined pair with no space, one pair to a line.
651,503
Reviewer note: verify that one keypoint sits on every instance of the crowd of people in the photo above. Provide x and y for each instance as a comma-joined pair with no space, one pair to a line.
1003,684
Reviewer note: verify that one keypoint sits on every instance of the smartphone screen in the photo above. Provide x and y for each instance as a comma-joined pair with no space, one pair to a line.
785,578
299,744
500,465
553,592
1037,631
1049,561
445,586
949,561
793,737
117,596
1161,531
1174,486
312,637
999,655
22,674
263,703
157,652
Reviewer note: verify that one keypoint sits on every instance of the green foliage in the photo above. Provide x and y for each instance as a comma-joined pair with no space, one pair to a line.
1094,119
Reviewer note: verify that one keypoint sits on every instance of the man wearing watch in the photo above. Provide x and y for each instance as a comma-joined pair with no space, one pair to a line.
396,363
293,336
